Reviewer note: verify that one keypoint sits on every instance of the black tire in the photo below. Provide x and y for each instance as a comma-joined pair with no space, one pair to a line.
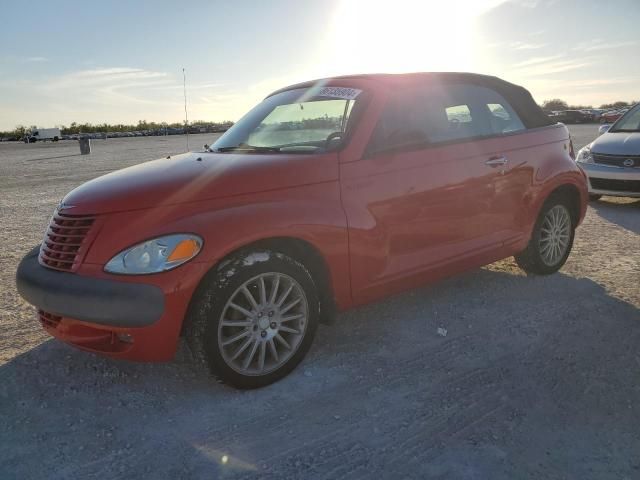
207,307
593,197
530,260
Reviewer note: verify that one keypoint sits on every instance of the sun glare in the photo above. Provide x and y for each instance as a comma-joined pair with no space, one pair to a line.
402,36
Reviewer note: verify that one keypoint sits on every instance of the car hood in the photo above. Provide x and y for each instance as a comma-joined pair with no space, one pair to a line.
617,143
197,176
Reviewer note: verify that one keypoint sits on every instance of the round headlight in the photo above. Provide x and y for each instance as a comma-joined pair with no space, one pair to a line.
156,255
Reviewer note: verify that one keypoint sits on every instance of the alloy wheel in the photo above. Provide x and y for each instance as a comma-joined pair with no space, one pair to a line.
555,234
263,324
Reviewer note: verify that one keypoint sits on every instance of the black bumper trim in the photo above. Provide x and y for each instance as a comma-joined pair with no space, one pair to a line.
94,300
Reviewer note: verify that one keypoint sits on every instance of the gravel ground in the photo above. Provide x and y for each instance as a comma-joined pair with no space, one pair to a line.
535,377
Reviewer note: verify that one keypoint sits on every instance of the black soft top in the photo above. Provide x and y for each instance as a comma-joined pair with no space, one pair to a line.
518,97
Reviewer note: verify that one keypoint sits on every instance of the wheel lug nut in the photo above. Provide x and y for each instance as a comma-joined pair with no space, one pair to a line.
271,313
263,334
260,314
273,325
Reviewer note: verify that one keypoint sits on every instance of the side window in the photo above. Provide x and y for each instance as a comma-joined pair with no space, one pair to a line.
400,124
442,113
499,111
461,122
479,111
503,118
459,113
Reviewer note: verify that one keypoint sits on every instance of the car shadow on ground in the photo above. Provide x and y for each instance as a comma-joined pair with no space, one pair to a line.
528,377
619,211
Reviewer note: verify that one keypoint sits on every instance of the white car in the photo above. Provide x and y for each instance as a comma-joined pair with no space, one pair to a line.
612,161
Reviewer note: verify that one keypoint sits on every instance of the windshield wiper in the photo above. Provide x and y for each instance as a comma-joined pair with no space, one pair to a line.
243,147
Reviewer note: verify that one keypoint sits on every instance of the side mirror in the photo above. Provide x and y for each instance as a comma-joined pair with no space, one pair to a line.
604,128
333,140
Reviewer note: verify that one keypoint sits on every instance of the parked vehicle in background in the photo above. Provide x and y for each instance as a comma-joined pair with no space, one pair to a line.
612,161
553,115
327,195
43,134
612,115
596,112
573,116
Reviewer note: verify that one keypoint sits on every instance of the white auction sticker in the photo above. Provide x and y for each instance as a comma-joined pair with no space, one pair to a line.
339,92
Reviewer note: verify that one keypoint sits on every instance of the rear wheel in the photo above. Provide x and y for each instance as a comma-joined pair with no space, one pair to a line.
551,240
254,320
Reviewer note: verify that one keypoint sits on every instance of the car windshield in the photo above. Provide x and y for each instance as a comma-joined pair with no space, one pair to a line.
303,120
630,122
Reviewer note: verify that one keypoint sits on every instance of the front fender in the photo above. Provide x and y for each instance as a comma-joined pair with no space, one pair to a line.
311,213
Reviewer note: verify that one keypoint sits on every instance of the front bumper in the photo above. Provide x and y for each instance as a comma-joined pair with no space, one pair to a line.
610,180
93,300
132,318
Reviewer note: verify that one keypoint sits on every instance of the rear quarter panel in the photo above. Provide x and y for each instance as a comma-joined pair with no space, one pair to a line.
545,164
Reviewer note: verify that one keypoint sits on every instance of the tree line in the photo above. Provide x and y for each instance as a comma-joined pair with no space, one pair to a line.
559,104
75,127
21,130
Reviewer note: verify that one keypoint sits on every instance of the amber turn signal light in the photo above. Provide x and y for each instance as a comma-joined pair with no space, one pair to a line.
184,250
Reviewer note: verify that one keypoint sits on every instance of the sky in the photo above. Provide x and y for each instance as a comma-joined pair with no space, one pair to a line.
122,61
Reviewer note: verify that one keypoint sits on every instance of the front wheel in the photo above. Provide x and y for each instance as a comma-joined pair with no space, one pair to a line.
593,197
254,319
551,239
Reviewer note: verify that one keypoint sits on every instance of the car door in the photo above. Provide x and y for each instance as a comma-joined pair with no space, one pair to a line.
423,196
513,154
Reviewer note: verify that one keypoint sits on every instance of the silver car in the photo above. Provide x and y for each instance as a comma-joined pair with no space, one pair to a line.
612,161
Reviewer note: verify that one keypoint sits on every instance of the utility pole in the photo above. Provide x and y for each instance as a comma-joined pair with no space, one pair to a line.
186,118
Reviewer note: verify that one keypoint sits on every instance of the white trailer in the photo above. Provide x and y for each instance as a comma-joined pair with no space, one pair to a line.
43,134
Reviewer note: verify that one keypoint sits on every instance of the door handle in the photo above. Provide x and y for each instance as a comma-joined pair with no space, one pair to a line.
496,161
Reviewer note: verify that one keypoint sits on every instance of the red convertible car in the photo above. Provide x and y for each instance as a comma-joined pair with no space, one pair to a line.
327,195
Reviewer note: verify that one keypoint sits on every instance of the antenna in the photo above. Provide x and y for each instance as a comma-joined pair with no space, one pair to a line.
186,118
